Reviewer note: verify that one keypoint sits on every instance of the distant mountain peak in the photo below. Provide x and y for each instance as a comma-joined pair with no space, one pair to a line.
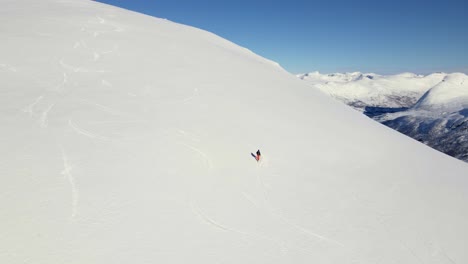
451,92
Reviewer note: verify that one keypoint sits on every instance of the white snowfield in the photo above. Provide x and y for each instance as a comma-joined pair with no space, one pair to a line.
446,100
452,92
432,109
369,89
127,139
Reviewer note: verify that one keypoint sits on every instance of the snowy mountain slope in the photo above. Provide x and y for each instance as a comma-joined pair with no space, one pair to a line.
450,94
439,118
436,117
370,90
317,77
127,139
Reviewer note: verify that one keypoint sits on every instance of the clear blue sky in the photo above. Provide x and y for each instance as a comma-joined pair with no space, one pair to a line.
385,37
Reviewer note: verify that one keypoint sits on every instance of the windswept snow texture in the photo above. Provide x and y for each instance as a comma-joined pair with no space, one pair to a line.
127,139
431,109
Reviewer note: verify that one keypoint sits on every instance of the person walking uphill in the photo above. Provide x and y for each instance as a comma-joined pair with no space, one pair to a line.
258,156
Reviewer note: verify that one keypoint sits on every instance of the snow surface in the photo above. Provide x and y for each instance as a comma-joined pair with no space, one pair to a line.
438,117
368,89
452,93
127,139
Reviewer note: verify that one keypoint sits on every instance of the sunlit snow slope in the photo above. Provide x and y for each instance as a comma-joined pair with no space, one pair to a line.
362,90
127,139
439,118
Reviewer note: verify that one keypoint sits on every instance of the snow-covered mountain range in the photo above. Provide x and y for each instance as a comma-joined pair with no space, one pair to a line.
431,109
361,90
127,139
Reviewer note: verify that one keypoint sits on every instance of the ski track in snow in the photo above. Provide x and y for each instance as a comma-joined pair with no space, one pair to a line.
401,242
206,159
106,83
118,122
30,108
106,109
79,69
7,67
282,245
95,54
194,94
271,210
198,212
443,253
67,168
98,55
44,116
184,100
100,21
378,216
80,43
254,220
410,251
251,199
60,86
304,230
188,135
115,49
86,133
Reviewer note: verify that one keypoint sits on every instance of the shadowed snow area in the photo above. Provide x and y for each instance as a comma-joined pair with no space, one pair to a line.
127,139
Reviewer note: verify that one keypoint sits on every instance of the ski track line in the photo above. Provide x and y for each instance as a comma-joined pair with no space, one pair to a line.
106,83
97,55
63,83
115,49
85,132
79,69
412,252
250,199
208,162
29,108
184,100
284,247
195,93
69,67
118,122
197,211
398,239
188,135
101,20
8,68
71,180
44,116
106,108
304,230
80,43
436,250
447,256
298,248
